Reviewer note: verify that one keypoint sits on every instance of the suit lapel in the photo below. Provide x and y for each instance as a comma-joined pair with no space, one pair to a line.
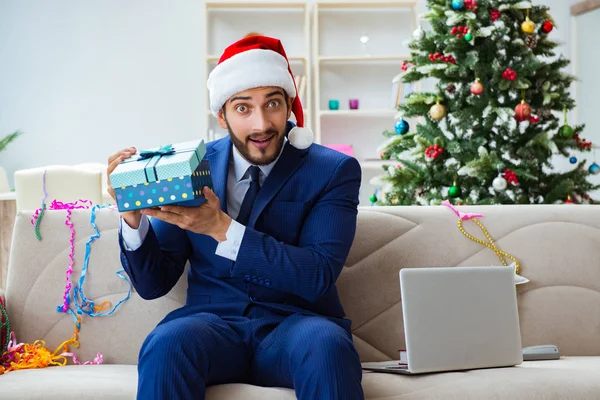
219,166
291,159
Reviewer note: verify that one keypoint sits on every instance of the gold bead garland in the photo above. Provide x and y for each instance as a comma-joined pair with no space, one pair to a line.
491,245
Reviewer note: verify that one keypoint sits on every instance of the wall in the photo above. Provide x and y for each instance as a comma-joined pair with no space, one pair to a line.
586,62
84,79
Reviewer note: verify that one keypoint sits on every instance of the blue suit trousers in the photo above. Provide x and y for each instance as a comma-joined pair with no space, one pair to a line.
191,349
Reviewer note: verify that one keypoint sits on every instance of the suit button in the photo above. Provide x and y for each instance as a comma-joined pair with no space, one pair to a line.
261,281
267,282
247,277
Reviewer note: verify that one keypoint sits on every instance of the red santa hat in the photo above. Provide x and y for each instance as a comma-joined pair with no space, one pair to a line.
257,61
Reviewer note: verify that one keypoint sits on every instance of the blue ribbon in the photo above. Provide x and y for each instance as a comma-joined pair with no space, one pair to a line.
83,304
163,151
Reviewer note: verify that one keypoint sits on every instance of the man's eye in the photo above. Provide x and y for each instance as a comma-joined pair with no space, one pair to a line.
241,109
274,103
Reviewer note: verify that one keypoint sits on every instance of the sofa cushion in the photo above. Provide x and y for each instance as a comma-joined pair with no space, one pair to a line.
570,378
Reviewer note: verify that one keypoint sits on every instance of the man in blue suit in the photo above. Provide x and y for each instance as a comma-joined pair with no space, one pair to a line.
265,249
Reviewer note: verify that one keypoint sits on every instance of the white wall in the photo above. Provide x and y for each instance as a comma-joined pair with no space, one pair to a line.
586,64
83,79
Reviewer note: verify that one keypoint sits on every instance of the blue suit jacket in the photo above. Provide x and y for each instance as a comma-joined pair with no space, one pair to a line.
295,244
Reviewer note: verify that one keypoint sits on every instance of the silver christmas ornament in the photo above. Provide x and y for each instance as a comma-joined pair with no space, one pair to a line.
499,183
419,34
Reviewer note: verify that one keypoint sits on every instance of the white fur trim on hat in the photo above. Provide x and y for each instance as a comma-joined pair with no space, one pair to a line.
300,138
247,70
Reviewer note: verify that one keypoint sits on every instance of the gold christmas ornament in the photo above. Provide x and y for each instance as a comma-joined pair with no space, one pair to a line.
528,26
437,111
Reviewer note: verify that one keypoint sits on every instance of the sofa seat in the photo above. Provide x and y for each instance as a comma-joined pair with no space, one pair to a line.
570,378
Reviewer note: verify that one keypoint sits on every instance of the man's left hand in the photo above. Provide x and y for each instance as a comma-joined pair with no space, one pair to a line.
207,219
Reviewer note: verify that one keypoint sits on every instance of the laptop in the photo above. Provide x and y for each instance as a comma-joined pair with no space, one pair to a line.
457,318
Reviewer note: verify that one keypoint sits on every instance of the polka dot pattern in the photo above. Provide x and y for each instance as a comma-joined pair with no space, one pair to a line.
166,191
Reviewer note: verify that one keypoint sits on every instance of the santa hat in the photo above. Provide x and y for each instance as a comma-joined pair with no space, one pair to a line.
257,61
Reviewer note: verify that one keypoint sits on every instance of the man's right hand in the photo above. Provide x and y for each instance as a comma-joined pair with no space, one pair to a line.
132,218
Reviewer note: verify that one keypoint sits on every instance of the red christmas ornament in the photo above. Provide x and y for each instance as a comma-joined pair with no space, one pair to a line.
470,4
406,65
459,31
582,143
547,26
509,74
434,151
522,112
534,119
495,15
569,200
477,88
438,56
511,177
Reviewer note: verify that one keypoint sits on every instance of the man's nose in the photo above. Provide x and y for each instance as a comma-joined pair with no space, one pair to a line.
260,122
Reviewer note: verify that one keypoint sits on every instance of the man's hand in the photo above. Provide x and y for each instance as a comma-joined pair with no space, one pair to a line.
207,219
132,218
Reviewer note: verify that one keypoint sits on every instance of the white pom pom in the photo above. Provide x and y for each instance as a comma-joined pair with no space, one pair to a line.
300,138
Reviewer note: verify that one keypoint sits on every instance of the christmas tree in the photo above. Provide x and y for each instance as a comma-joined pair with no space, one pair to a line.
488,131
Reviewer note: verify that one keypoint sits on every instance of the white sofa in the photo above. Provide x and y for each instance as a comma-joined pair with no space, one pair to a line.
558,246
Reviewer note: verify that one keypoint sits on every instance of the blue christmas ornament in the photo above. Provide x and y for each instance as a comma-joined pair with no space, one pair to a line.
458,4
573,160
401,127
594,169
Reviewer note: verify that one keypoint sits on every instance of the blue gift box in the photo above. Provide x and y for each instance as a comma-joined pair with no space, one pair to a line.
172,174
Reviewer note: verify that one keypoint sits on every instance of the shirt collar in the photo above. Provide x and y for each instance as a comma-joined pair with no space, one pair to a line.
241,165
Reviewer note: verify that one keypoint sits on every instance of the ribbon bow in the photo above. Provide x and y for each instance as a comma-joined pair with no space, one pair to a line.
461,215
163,151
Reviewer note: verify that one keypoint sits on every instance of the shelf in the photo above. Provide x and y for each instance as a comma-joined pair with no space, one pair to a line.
358,113
8,196
367,4
238,4
346,59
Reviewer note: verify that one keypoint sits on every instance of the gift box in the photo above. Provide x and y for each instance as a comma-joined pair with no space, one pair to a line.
171,174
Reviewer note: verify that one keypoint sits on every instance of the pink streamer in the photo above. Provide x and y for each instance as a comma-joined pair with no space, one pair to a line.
96,361
57,205
12,343
461,215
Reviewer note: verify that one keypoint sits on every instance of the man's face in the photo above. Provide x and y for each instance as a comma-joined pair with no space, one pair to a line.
256,121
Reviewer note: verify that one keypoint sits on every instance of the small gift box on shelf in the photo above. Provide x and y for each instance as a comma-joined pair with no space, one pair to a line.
171,174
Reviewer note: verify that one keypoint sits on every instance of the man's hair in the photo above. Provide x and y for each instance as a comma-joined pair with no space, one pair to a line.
286,97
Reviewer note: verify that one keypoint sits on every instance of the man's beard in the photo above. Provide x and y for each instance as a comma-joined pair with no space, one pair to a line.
243,148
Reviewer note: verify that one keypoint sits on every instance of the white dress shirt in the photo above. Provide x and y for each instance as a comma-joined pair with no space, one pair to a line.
238,182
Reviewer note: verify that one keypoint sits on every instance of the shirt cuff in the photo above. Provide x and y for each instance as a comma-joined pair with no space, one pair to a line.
133,238
231,246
